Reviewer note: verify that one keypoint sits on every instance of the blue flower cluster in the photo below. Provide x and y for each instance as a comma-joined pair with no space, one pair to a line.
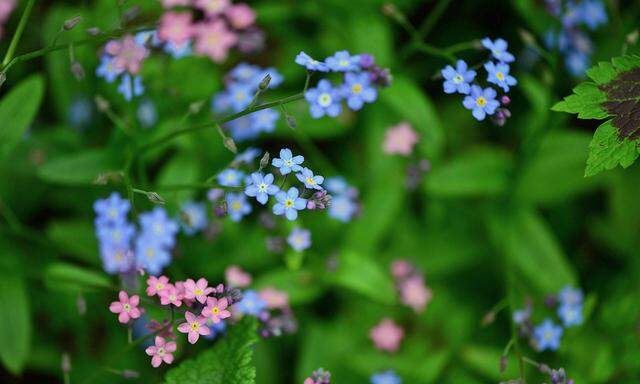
242,84
344,199
193,217
361,81
481,101
386,377
251,304
122,249
571,40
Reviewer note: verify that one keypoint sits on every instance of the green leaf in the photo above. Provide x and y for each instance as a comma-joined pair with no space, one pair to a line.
71,278
15,322
486,361
607,150
363,275
79,168
76,237
585,101
229,361
301,285
17,110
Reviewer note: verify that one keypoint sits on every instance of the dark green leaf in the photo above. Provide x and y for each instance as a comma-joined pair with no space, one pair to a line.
71,278
15,321
17,110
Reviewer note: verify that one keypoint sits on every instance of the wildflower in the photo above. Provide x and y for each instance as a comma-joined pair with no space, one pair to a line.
357,90
287,162
162,351
247,156
261,187
147,113
570,315
194,327
127,54
116,258
387,335
265,120
176,28
522,316
158,225
171,295
215,328
108,70
131,87
401,269
319,200
577,63
251,304
213,39
274,298
155,285
243,129
366,61
289,203
244,73
458,79
119,234
309,180
400,139
482,102
593,13
311,64
547,336
212,7
498,49
111,210
194,217
240,16
216,309
236,277
299,239
126,307
499,75
415,294
342,208
387,377
197,290
319,376
240,95
342,61
336,185
237,206
324,99
230,178
178,51
570,296
151,254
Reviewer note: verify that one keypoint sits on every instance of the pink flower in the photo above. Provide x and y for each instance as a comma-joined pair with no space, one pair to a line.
175,3
400,139
127,54
240,16
162,351
274,298
309,380
401,268
415,294
216,309
213,7
175,27
194,327
214,39
164,330
236,277
6,7
127,307
198,291
155,285
170,295
387,335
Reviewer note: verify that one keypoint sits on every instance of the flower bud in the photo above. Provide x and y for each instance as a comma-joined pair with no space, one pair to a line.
102,104
65,364
77,70
93,31
505,100
291,122
264,84
71,23
130,374
155,198
264,161
196,107
230,144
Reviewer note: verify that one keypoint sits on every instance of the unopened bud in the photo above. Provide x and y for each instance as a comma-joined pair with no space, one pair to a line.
102,104
130,374
544,368
503,363
221,209
527,37
264,84
391,10
488,318
77,70
155,198
81,304
71,23
505,100
632,38
215,194
264,161
65,364
291,122
93,31
196,107
230,144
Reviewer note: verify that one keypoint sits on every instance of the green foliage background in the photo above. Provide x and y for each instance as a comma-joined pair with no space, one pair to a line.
505,213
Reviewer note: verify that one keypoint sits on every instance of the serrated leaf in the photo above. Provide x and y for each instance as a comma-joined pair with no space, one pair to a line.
606,150
585,101
228,362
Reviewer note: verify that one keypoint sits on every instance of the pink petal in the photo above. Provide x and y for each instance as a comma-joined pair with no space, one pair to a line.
224,314
204,330
184,327
156,361
160,341
124,298
134,300
134,313
123,317
151,350
223,303
115,307
168,358
201,320
202,283
193,337
170,346
190,317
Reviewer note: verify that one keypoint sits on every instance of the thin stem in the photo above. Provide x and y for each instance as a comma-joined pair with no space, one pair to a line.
16,37
127,181
433,18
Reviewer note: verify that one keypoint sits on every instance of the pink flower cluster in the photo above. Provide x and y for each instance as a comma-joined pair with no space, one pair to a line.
387,335
411,286
126,54
400,140
6,8
223,26
319,376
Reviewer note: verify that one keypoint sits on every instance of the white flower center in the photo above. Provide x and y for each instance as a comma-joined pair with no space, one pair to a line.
325,100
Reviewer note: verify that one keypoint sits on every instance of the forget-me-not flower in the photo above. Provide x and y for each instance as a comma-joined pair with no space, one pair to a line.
498,48
264,120
357,89
311,63
289,203
299,239
251,303
130,87
287,162
387,377
178,51
324,99
592,13
570,315
276,77
547,335
310,181
570,296
242,128
247,156
458,79
230,177
107,70
261,187
111,210
244,72
237,205
240,96
194,217
499,74
151,254
342,61
342,208
482,102
158,224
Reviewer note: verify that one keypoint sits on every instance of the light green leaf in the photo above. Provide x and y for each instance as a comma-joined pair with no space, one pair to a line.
79,168
585,101
228,362
15,322
70,278
76,237
606,150
365,276
17,110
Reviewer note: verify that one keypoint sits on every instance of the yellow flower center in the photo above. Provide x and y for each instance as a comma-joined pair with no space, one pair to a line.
195,325
161,351
236,205
215,310
149,253
344,63
356,88
325,100
198,292
159,286
127,307
288,203
500,76
310,181
481,101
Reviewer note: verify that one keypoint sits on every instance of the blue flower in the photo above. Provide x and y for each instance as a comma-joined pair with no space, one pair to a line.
106,69
264,120
299,239
80,112
311,63
324,99
276,77
310,181
387,377
230,178
158,224
287,162
251,303
178,51
570,315
151,37
244,72
572,15
593,13
482,102
243,129
499,75
216,329
147,113
194,217
240,96
248,155
577,63
116,258
498,49
131,87
342,61
221,102
237,206
522,315
357,89
458,79
151,254
570,296
336,185
119,234
111,210
342,208
261,187
289,203
547,335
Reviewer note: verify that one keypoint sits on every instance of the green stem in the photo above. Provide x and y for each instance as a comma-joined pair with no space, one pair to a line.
16,37
433,18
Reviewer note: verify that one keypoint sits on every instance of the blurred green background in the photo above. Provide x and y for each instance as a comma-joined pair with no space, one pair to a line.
505,212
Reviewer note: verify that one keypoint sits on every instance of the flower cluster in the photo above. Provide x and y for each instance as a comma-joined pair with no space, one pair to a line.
361,76
122,59
387,335
386,377
123,249
400,139
243,84
481,101
208,28
319,376
6,8
344,199
568,304
571,40
410,285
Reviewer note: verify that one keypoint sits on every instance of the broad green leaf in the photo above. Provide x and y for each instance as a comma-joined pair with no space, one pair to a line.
79,168
229,361
180,170
479,172
17,110
486,361
364,276
607,150
15,321
76,237
71,278
586,102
